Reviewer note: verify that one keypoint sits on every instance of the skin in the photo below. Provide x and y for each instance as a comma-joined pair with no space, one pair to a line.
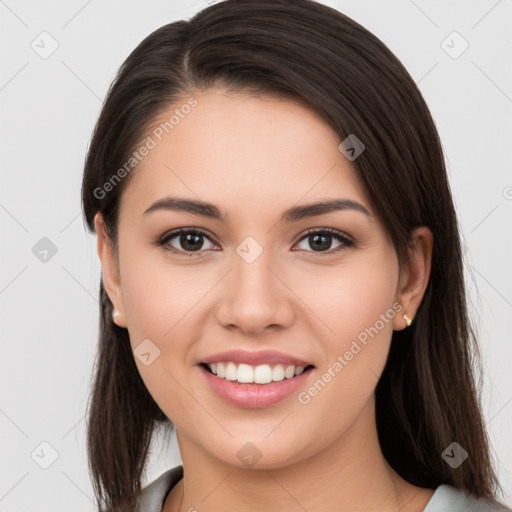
254,158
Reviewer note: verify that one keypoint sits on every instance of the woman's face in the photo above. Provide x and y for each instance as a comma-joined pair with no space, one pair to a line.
253,280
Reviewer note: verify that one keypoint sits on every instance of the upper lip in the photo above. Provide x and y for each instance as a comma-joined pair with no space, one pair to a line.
255,358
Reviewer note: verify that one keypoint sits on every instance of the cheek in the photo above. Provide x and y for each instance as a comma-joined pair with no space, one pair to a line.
161,305
157,294
164,303
349,299
357,306
368,327
366,309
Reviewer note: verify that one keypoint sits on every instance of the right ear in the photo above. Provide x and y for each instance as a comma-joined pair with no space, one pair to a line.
109,269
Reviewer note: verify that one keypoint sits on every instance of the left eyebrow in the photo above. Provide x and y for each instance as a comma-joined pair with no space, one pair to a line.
322,207
293,214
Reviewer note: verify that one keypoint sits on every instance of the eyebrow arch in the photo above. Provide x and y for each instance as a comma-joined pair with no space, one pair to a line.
293,214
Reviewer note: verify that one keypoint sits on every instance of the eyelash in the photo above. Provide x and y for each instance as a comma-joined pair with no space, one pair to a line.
164,239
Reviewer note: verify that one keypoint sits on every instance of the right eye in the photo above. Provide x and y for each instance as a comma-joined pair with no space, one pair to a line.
190,240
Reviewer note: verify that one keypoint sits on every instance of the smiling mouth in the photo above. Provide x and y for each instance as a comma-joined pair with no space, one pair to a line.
261,374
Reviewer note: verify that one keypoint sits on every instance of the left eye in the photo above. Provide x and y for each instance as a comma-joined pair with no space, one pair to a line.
322,240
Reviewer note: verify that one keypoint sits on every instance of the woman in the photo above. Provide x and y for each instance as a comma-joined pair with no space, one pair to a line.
282,276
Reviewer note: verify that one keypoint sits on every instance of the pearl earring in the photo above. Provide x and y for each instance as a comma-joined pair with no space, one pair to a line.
115,314
408,321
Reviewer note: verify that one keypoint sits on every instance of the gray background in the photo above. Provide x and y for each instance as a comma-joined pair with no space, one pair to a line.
49,309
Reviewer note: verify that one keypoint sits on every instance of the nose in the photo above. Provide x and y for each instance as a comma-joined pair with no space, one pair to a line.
254,296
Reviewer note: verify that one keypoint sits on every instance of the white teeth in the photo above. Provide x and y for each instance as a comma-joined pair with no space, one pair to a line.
245,373
289,372
278,372
231,372
261,374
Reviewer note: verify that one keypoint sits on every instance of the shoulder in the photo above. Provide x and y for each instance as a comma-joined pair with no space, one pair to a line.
449,499
152,496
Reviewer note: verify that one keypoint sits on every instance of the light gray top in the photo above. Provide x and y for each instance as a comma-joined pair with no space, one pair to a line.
445,498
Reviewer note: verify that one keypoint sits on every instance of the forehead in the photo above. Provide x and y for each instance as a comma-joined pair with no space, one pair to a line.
232,149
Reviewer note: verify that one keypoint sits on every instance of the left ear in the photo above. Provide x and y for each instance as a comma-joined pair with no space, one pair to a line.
414,281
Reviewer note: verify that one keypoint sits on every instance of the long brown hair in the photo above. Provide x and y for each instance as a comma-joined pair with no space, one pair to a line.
427,396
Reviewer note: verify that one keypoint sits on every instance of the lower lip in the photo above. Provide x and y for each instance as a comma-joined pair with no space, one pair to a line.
255,395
